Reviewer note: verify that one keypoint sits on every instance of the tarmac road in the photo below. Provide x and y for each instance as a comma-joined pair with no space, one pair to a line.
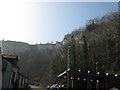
33,87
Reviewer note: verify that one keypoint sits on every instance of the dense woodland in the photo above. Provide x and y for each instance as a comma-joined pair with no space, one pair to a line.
95,47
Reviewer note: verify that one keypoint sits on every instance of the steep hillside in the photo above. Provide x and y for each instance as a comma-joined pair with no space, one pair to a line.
34,60
95,47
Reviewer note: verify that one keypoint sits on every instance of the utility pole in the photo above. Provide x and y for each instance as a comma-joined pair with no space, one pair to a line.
96,66
68,67
68,60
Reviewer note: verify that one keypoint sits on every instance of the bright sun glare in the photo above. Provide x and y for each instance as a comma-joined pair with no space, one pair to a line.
16,20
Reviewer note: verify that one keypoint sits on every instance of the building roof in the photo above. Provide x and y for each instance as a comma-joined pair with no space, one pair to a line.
11,58
79,73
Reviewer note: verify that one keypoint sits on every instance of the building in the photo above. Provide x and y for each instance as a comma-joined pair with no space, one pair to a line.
8,69
11,78
22,81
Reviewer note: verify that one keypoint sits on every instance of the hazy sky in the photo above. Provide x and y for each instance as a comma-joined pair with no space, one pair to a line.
35,22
